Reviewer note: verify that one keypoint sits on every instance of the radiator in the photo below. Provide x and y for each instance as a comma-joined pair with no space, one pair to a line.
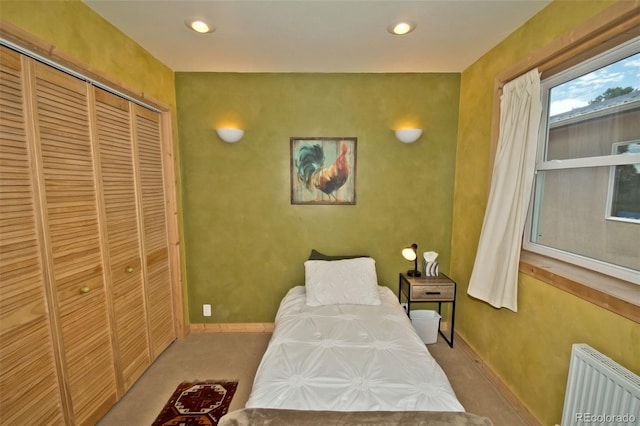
599,390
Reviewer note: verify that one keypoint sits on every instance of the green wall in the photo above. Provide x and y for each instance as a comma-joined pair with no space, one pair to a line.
530,349
245,242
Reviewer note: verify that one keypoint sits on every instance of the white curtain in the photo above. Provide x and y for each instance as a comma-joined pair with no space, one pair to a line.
495,272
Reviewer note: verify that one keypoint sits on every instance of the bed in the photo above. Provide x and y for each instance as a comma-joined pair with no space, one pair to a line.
343,346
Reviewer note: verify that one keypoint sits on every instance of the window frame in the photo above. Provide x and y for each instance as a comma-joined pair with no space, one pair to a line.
588,65
612,187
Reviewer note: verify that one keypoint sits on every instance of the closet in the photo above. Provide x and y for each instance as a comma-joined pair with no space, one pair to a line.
86,287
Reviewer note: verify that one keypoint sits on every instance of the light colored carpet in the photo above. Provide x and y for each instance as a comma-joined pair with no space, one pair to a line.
237,355
476,393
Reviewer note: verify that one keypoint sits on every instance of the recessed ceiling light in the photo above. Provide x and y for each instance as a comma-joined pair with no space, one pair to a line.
199,26
401,28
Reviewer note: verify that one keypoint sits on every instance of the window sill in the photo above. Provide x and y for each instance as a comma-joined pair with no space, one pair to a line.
615,295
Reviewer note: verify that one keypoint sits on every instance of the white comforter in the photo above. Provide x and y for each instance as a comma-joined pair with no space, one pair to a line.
348,358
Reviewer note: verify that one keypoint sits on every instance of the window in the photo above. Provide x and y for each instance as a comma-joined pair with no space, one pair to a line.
623,202
586,203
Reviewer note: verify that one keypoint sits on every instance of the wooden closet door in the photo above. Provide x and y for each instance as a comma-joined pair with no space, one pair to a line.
29,389
113,125
62,117
148,143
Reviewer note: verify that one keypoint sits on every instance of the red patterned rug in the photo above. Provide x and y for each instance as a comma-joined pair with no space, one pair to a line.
197,404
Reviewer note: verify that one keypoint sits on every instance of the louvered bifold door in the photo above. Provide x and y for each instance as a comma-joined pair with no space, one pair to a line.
148,143
114,128
29,392
62,118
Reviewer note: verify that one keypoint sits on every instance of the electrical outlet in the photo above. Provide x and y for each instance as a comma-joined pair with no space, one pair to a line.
206,310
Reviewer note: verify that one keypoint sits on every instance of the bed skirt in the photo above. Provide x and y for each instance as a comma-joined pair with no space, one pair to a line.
270,416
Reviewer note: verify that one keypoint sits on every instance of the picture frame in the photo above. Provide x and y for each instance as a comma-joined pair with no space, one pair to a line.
323,170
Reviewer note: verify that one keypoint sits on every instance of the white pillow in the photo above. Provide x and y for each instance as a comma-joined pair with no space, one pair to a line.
337,282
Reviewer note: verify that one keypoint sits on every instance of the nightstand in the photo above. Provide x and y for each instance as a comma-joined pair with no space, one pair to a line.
440,289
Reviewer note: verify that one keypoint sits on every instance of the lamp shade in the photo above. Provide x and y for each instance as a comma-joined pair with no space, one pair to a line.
230,135
408,135
411,254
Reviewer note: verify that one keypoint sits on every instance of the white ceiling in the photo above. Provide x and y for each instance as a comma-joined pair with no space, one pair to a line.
318,35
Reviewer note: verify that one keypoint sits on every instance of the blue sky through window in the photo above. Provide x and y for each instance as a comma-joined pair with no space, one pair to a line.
578,92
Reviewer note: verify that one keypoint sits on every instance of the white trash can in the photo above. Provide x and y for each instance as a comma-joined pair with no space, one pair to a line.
427,324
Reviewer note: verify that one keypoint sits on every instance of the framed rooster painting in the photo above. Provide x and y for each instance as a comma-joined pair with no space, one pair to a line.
323,170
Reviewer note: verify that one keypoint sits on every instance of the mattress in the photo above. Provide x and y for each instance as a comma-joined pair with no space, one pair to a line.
348,358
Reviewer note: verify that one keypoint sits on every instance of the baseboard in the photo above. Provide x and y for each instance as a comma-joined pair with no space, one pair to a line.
249,327
522,410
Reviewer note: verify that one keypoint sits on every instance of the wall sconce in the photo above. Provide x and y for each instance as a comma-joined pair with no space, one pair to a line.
408,135
411,254
230,135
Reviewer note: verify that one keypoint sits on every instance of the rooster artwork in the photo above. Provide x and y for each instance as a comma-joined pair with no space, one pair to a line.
323,171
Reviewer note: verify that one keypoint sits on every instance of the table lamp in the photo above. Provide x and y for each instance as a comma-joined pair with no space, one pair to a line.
411,254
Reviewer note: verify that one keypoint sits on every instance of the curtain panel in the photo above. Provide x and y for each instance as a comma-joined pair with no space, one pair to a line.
494,278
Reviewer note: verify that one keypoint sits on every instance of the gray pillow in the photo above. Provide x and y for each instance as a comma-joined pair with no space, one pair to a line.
316,255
